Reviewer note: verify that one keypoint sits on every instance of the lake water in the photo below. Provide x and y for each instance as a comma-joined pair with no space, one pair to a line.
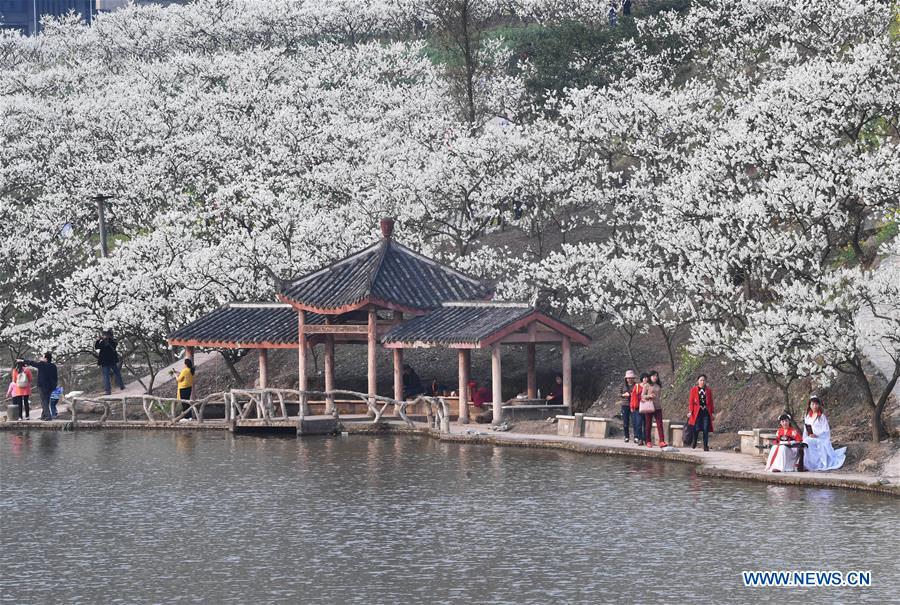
166,517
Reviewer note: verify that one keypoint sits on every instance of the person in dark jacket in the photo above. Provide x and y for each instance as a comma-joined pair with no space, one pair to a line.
412,384
108,360
556,393
47,381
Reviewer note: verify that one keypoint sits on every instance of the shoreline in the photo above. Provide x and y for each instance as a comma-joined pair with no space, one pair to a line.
725,465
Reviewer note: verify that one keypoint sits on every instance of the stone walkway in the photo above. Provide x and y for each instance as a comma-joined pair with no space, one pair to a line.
713,463
135,388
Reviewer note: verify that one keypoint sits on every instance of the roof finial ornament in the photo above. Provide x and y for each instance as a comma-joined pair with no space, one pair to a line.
387,227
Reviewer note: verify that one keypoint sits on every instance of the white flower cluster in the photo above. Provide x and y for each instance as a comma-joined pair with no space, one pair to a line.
730,175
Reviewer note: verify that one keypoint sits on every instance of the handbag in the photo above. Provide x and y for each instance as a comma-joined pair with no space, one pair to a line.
646,407
688,434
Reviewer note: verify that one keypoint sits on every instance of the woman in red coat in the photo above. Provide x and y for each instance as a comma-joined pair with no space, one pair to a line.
701,410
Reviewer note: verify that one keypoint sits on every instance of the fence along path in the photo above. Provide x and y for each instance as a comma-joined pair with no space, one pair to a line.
247,407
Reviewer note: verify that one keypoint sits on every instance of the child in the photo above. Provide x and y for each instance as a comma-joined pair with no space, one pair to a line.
55,396
787,451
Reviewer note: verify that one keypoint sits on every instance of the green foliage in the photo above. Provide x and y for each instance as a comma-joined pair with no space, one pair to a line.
575,55
889,229
688,367
895,24
566,55
885,231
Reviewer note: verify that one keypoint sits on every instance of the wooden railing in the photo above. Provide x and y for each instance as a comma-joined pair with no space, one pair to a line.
267,404
271,404
153,407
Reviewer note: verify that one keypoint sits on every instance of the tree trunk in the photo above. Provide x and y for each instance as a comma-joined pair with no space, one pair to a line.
879,431
229,363
469,58
628,337
669,337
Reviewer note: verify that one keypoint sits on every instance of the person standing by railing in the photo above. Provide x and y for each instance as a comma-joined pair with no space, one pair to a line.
186,385
47,381
22,381
108,360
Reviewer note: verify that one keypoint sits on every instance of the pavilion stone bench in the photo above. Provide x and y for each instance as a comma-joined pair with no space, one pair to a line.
748,442
596,428
765,442
667,432
570,426
676,434
755,442
532,412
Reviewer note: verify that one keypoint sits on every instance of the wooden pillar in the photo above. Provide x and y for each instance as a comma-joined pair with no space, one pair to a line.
263,368
567,372
532,375
464,361
372,349
329,373
398,374
189,353
496,383
301,352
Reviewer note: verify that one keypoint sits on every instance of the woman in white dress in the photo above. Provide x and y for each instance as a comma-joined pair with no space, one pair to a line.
820,455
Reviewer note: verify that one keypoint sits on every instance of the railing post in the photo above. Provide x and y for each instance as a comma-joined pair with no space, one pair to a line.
124,413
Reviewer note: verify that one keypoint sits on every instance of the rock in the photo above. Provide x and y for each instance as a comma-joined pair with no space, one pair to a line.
868,464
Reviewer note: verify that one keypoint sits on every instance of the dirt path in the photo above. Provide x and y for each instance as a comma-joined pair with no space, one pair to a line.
135,387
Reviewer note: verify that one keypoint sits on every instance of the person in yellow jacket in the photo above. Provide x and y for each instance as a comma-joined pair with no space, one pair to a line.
186,384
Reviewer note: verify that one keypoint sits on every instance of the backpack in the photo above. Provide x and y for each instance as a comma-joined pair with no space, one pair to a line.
22,380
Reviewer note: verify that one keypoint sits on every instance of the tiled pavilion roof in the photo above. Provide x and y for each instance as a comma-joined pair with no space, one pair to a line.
249,325
475,324
386,274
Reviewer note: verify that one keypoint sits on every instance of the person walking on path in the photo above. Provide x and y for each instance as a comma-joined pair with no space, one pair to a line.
186,385
625,401
108,360
637,420
700,410
22,379
47,381
650,396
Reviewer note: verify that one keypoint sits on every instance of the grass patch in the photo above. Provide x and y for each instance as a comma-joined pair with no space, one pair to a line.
688,365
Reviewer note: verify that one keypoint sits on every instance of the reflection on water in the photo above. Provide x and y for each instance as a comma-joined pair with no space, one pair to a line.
124,517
